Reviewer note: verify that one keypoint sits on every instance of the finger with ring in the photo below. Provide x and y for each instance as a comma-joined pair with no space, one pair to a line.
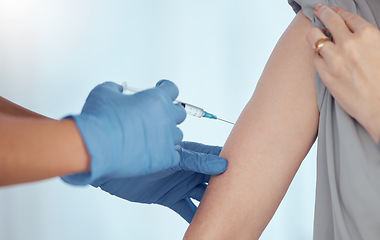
318,45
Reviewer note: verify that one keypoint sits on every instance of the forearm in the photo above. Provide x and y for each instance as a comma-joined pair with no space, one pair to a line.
9,108
32,149
266,147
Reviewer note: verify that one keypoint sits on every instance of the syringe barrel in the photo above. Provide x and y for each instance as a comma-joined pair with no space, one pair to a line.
193,110
190,109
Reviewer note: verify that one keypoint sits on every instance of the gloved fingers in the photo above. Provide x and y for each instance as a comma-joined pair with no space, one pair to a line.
185,208
111,86
176,158
179,113
177,135
198,192
201,163
206,178
99,182
168,88
202,148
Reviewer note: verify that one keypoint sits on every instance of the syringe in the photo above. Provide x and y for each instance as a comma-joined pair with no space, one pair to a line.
190,109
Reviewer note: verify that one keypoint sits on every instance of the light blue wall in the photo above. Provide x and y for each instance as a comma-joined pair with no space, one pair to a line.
52,53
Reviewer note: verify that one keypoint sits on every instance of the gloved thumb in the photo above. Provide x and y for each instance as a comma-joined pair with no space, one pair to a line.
169,88
202,148
201,162
111,86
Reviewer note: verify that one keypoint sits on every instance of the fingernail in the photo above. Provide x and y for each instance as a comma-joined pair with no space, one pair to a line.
160,82
317,7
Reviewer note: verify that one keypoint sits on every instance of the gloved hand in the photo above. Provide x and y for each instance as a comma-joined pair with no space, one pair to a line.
174,186
129,135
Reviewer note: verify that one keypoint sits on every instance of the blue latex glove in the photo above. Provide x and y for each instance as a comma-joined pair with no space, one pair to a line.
174,186
129,135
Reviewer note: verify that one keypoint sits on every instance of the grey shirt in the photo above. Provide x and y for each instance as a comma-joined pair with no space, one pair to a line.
348,166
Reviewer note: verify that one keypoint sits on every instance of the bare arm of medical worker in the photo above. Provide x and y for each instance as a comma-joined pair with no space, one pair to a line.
267,145
9,108
33,149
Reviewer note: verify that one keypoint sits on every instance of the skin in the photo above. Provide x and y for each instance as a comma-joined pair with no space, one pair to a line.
267,145
34,147
349,66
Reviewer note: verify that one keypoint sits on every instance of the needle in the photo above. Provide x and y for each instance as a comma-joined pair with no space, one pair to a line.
225,121
190,109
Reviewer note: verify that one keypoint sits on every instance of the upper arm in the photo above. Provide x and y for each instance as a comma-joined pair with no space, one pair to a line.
268,143
9,108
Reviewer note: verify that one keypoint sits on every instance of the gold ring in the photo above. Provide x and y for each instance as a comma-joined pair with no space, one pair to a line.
318,45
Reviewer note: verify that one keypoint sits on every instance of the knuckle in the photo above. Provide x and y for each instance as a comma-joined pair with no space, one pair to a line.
349,17
333,19
335,66
312,33
158,97
168,86
337,9
180,133
348,45
367,30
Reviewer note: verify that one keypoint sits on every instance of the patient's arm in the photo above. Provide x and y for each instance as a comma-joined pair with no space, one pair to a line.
266,147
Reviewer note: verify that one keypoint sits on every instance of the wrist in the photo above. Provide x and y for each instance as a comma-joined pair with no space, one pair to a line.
95,137
80,162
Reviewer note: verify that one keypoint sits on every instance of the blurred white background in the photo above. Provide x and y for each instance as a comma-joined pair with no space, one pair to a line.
53,52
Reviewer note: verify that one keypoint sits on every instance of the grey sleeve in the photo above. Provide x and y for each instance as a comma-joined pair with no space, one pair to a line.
360,7
307,7
355,6
348,167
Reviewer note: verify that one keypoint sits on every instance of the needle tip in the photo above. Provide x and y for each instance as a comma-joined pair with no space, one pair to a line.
225,121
